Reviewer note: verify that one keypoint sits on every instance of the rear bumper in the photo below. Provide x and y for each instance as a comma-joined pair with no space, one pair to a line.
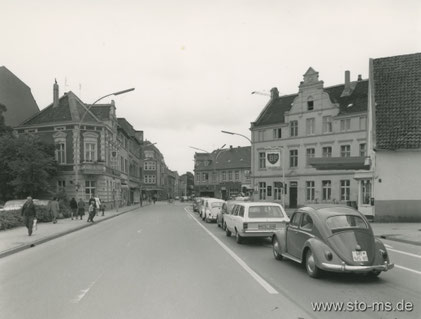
358,269
257,233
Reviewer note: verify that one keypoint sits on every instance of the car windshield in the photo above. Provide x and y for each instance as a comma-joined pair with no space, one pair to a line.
345,221
265,212
217,204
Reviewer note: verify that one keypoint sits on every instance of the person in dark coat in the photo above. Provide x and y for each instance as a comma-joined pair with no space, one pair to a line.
29,214
92,209
81,208
73,208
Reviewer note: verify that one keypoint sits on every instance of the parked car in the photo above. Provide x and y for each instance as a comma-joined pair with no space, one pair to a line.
17,204
226,209
196,204
212,207
255,219
201,206
332,238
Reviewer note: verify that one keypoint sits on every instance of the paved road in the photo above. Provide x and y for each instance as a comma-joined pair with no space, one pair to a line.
163,262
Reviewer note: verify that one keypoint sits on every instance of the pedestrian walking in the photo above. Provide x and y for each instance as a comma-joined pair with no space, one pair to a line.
73,208
54,209
29,214
81,208
154,198
102,208
92,210
141,200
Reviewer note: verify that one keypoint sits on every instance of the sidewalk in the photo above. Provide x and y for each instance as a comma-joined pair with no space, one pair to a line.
17,239
409,233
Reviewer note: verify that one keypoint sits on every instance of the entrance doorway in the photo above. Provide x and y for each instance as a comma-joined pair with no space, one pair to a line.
293,191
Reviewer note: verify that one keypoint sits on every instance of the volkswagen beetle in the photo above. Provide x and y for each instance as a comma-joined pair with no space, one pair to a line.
331,238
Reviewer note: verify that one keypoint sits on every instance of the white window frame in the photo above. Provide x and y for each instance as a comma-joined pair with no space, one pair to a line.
326,190
310,190
327,124
310,126
345,189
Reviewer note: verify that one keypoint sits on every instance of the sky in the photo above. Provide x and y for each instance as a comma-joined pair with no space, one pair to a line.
194,63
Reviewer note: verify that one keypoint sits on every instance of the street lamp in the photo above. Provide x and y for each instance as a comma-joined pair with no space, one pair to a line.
77,153
214,158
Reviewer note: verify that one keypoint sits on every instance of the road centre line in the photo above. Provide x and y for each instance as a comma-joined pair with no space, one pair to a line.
251,272
83,292
404,253
408,269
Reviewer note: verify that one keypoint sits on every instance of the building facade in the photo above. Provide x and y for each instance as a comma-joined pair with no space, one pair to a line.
320,134
395,137
155,175
98,155
224,173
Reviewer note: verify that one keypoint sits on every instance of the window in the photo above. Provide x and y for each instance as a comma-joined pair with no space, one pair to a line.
306,222
89,189
366,191
345,150
149,166
327,124
61,185
214,177
237,175
345,125
224,175
261,136
277,190
122,164
310,104
151,179
90,152
363,123
293,158
310,190
230,175
295,221
345,221
293,128
61,153
345,189
326,190
269,191
327,151
241,211
310,152
363,150
205,177
262,160
277,133
262,190
310,126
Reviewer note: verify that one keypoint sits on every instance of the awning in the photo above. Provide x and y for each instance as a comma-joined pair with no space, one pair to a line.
339,163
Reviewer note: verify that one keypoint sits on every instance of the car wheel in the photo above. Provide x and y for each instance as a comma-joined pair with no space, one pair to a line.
238,238
218,223
224,226
312,269
275,249
227,231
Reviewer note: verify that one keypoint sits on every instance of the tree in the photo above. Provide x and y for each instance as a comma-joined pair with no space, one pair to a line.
4,129
26,166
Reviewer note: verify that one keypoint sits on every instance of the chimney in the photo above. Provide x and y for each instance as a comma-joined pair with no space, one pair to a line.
347,80
360,77
55,94
274,93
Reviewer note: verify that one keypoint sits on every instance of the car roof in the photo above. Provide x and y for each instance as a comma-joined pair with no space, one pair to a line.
327,210
215,200
250,204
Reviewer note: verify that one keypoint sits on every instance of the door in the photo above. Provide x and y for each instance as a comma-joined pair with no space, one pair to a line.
292,236
293,194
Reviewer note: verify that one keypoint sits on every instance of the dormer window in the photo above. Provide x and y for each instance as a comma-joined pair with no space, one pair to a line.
310,104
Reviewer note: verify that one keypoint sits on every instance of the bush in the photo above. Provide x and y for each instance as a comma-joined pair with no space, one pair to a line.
10,219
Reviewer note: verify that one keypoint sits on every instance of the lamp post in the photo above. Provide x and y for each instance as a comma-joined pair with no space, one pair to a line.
77,153
214,158
252,155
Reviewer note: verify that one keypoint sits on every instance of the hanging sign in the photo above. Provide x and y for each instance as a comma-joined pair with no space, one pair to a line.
273,159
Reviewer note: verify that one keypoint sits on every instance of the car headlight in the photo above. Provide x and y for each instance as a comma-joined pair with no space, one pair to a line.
328,255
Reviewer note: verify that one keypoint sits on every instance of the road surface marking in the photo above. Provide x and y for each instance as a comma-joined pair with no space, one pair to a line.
251,272
387,246
409,269
404,253
83,292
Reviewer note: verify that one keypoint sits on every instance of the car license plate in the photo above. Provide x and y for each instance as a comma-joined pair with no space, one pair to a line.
359,256
267,226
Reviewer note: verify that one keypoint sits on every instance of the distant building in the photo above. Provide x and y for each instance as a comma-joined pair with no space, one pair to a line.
317,138
395,138
17,97
224,173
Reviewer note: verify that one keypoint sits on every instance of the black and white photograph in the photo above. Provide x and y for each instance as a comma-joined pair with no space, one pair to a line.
225,159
